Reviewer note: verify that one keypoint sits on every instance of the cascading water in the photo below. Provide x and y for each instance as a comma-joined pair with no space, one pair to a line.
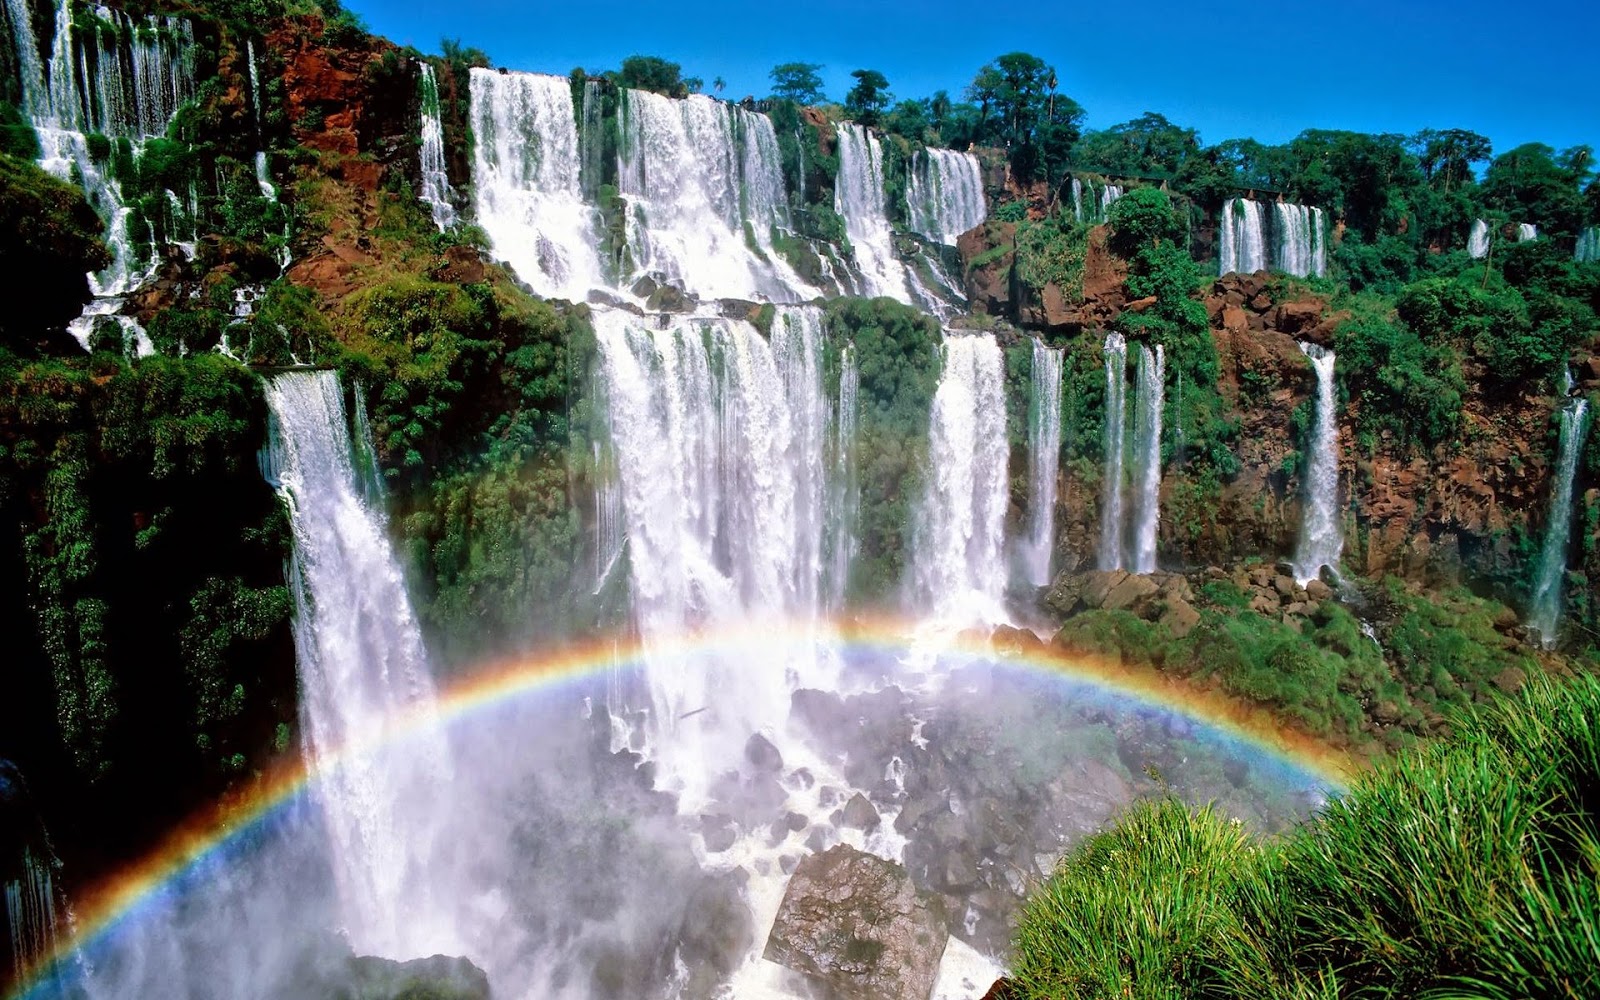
1147,409
1044,460
122,81
1243,248
1321,537
720,439
1545,604
704,187
858,198
1077,199
844,498
1527,231
363,672
944,194
1478,240
1112,486
526,174
959,560
436,192
1301,241
1108,195
1588,248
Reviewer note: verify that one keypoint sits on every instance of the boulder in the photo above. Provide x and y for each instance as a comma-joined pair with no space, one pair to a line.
859,814
441,976
1319,591
717,929
1129,592
762,755
718,832
1180,617
855,926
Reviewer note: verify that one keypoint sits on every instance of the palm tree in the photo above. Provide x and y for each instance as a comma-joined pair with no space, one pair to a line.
718,84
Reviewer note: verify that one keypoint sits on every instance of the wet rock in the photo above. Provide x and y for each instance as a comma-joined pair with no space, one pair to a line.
817,840
762,755
1007,639
854,925
718,832
1284,585
1180,617
822,712
440,976
859,814
717,929
1319,591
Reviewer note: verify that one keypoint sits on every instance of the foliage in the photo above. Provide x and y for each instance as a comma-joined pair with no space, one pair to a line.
1432,876
869,97
657,75
1397,383
49,238
797,82
1148,146
1017,109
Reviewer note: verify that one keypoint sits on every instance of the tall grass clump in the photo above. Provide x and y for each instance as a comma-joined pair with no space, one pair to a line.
1467,868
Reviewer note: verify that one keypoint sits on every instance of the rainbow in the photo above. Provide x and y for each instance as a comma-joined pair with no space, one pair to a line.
119,898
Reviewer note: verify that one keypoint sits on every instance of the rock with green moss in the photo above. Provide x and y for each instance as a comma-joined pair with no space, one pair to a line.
49,241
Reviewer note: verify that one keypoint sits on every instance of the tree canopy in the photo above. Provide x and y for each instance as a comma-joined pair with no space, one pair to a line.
797,82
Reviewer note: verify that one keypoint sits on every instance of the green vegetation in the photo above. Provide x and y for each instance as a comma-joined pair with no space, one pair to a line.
1433,876
797,83
49,238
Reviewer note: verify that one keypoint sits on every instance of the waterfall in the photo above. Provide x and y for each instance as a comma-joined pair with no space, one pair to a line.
269,190
1243,238
1545,604
858,198
704,185
436,191
525,172
1147,449
944,194
1527,231
1108,194
1111,501
959,565
1077,199
123,83
844,498
1588,249
1044,460
1301,242
1478,239
1321,537
364,674
721,438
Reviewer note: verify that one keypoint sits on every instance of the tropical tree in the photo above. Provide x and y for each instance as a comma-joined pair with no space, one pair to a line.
797,82
867,100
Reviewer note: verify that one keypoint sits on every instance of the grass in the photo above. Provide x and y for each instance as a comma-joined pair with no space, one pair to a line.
1467,868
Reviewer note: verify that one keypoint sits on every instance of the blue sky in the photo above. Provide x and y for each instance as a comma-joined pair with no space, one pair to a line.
1514,72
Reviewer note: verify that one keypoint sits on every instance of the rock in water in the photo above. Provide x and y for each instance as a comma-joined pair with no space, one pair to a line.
439,978
856,926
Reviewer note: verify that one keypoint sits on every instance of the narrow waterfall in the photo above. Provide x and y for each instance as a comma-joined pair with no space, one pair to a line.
526,175
436,193
944,194
34,905
118,77
1114,418
720,436
1527,231
858,198
364,675
1478,240
1588,249
1301,243
1147,411
1321,536
1044,461
1108,195
1243,244
704,186
844,497
1096,209
959,560
1545,604
1077,199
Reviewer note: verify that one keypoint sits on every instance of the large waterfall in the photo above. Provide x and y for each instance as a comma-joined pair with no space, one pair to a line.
115,77
1243,248
704,189
722,444
1321,536
1545,604
1588,248
944,194
1295,243
364,675
1147,409
1114,417
1478,239
960,564
1044,461
1301,241
526,171
436,193
858,198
